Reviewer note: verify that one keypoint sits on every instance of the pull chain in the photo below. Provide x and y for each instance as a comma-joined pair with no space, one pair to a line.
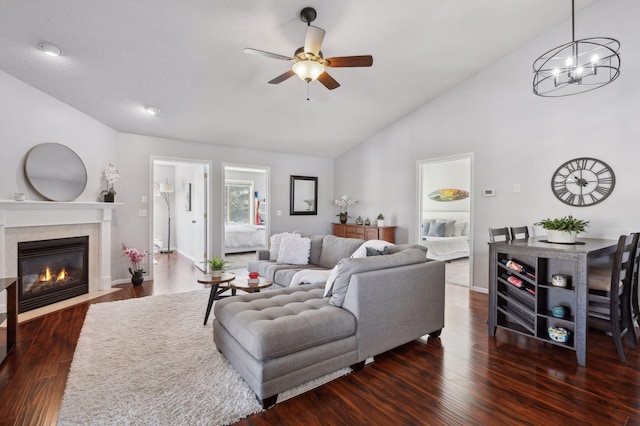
307,90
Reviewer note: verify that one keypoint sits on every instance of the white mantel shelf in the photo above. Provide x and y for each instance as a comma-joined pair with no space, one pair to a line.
56,205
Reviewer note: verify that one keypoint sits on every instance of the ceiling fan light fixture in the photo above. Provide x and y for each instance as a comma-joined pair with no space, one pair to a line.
308,70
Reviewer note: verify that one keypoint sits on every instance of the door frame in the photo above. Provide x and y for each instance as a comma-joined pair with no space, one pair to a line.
419,195
208,205
223,170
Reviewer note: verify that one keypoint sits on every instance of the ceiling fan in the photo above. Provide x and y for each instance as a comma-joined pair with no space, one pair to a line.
308,62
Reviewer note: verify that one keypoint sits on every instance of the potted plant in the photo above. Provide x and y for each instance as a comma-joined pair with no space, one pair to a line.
112,175
136,257
343,202
563,229
216,265
380,220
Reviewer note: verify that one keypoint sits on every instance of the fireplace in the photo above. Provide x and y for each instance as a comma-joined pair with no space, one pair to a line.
51,271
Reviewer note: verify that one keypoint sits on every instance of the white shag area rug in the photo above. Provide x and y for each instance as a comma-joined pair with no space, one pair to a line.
150,361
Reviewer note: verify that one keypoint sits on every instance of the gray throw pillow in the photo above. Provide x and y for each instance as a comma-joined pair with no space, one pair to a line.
374,252
437,229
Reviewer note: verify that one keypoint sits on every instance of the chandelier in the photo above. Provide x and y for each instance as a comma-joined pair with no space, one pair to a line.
576,67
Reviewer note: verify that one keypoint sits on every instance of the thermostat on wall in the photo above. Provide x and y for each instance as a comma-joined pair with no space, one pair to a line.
489,192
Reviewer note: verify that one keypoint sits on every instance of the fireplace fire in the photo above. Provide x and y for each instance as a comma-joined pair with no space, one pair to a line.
51,271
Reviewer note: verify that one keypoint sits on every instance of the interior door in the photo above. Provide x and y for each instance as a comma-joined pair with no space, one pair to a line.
199,204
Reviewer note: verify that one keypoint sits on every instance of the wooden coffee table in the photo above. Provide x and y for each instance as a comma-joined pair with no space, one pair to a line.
217,288
241,284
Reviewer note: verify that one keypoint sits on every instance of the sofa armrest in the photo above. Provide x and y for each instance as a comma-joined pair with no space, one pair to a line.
395,306
262,255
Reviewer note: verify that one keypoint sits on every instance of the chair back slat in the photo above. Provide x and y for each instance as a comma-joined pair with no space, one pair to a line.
519,232
499,234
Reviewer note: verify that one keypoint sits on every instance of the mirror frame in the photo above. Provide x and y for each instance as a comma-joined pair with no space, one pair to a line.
54,189
292,198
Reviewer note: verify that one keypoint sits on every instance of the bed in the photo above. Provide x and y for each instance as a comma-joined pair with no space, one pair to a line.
451,238
244,237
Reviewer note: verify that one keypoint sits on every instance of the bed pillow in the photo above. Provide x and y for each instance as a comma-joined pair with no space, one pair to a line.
458,228
274,246
436,229
425,226
294,250
448,226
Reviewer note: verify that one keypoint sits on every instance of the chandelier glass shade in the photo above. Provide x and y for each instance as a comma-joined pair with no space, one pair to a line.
308,70
576,67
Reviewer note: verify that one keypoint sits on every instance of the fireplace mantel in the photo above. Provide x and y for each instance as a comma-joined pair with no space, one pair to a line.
17,214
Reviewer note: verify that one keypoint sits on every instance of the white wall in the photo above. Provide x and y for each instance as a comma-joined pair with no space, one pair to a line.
31,117
516,138
135,172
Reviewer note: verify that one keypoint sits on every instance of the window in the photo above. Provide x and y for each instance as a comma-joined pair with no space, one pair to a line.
239,202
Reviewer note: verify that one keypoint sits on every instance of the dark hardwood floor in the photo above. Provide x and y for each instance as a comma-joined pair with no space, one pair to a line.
464,377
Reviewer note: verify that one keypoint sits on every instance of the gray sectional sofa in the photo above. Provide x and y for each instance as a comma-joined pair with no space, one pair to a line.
282,338
326,251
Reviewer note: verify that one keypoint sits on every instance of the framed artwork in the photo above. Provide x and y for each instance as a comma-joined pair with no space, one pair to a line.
187,197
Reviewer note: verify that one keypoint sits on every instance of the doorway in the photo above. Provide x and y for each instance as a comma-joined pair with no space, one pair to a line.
180,206
445,213
245,216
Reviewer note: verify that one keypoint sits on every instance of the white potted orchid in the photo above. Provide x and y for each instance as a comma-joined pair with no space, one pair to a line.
112,175
344,202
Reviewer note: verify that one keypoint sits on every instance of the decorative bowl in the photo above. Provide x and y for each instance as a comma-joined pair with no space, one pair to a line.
559,280
558,334
253,275
558,311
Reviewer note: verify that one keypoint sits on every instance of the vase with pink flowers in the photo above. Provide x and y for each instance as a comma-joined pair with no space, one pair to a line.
136,257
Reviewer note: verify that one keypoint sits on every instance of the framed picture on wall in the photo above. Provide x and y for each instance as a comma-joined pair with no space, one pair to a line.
187,197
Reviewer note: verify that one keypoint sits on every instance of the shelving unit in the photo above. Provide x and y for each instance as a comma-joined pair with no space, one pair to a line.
529,312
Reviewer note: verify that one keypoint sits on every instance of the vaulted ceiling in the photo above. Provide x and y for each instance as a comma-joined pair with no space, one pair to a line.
186,58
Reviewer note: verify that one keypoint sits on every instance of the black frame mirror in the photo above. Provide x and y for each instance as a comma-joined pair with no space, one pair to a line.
303,195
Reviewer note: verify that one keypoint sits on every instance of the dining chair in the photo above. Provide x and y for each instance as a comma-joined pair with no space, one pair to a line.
609,296
496,234
519,232
633,293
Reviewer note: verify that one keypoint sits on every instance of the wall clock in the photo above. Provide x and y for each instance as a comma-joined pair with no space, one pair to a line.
583,182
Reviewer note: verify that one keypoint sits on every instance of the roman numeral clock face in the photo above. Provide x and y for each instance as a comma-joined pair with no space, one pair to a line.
583,182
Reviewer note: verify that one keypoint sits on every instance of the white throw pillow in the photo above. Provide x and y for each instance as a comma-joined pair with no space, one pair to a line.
332,278
458,228
274,245
294,250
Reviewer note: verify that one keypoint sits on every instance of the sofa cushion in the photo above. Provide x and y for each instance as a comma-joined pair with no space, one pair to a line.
268,268
316,249
336,248
283,277
294,250
274,324
347,267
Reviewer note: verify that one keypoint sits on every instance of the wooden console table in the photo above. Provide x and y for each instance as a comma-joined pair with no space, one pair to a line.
9,284
351,230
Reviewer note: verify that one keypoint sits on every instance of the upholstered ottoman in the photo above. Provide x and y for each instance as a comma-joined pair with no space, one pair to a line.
282,338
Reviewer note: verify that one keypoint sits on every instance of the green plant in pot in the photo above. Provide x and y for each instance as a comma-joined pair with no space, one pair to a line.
563,229
216,265
380,219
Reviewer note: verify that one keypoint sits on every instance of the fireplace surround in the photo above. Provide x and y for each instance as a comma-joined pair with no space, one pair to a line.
39,220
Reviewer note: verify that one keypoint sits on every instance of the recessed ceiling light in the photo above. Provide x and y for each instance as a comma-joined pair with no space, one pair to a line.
50,49
152,110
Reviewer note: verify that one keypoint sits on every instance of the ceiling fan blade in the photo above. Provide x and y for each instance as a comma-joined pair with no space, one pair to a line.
282,77
350,61
328,81
267,54
313,40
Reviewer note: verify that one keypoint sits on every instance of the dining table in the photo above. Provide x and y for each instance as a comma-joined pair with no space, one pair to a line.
528,309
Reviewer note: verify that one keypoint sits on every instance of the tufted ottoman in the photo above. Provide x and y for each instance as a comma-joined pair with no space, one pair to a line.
282,338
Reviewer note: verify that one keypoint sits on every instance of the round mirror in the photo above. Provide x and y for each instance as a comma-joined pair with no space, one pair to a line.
55,172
